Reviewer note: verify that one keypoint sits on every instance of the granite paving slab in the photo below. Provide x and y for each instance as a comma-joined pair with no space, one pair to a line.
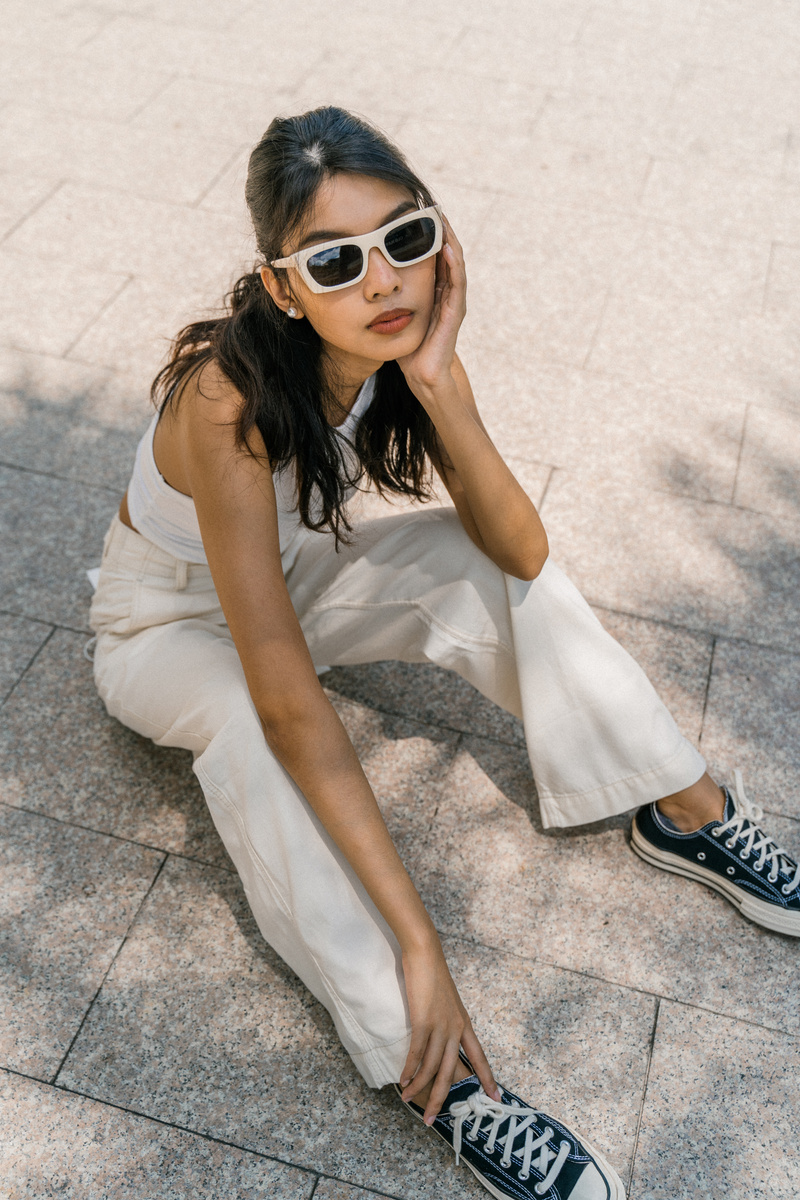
573,255
709,567
68,898
58,1144
581,899
334,1189
753,722
748,356
63,756
782,293
199,1023
700,195
19,642
721,1113
20,196
51,530
643,434
767,479
46,306
138,236
85,428
109,154
61,83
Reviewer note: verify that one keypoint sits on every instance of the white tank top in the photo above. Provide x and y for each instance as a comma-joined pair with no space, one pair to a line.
168,518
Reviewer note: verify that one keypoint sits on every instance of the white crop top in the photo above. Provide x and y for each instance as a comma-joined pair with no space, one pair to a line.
168,518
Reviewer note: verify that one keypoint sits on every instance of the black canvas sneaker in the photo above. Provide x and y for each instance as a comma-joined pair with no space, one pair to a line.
733,855
518,1151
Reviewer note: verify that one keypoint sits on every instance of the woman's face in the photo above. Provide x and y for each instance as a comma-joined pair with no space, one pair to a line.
349,320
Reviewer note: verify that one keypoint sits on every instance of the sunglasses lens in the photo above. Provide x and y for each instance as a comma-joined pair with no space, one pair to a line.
412,240
337,265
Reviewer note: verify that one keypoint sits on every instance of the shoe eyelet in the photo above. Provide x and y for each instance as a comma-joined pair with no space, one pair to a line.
731,842
731,870
716,832
758,867
772,878
701,857
537,1187
523,1177
743,855
785,891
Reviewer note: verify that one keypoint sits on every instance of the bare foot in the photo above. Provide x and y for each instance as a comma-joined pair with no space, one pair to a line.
695,806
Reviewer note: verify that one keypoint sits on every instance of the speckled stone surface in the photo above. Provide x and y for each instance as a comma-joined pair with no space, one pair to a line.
51,530
58,1144
721,1113
19,642
200,1024
581,899
63,755
68,898
625,181
753,723
709,567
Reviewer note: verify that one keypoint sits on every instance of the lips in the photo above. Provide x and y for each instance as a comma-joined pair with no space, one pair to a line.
392,321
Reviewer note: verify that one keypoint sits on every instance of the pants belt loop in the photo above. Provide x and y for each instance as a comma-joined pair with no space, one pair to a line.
181,574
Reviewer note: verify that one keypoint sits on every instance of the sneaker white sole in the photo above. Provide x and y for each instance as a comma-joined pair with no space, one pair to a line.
759,911
614,1181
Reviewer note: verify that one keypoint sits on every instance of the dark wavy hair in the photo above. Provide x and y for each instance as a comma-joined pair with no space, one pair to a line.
276,363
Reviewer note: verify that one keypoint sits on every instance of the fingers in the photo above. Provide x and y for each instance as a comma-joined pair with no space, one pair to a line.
480,1065
416,1050
442,1082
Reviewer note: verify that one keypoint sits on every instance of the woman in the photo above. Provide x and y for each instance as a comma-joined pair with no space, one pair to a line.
233,568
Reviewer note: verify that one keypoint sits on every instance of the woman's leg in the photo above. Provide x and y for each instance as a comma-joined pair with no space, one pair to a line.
415,588
178,680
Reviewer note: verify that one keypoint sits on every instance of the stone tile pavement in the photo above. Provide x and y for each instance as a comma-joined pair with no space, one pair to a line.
626,180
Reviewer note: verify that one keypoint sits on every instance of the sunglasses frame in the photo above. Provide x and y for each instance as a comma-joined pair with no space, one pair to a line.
365,242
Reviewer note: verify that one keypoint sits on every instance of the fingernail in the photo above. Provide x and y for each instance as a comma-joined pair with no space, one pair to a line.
404,1083
496,1096
430,1120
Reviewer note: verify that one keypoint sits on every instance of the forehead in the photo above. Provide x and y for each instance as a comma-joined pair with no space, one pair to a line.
348,205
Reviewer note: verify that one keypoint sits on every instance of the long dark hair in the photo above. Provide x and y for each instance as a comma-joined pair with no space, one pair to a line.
276,362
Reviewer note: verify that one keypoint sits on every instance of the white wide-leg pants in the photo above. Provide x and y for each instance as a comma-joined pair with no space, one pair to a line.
413,587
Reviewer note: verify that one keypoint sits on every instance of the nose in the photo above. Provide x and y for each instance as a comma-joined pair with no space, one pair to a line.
382,277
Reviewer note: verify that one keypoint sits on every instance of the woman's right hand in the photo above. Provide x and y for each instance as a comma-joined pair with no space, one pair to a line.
439,1025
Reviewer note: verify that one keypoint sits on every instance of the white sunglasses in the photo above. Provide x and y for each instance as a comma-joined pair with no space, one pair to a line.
333,265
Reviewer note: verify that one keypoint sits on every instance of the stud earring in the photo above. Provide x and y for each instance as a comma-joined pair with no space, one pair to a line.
291,311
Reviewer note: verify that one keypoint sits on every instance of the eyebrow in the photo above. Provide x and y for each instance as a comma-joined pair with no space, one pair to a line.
329,235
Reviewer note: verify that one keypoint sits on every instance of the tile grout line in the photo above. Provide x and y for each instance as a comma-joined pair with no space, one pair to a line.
767,276
27,666
651,1048
39,204
206,1137
739,457
707,691
94,487
137,112
118,837
103,308
107,971
195,204
626,987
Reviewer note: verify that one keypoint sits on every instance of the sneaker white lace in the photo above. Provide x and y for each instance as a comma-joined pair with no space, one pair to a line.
754,840
478,1106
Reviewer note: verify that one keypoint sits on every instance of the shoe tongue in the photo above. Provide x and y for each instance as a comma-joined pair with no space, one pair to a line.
460,1090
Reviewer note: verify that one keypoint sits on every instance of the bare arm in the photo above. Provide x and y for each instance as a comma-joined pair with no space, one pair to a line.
495,511
236,508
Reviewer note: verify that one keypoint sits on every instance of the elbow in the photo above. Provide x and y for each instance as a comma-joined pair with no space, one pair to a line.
527,567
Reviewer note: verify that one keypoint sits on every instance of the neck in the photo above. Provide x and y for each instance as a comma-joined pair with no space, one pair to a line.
346,374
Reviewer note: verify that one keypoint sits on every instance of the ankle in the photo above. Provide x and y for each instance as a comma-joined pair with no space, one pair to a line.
695,806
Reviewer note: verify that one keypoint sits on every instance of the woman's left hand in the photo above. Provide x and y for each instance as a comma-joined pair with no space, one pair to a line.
430,364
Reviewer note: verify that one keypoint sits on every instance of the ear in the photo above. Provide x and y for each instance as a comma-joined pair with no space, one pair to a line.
278,289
